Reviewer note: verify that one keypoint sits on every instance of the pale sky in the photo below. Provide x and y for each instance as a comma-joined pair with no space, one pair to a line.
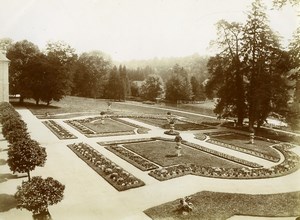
131,29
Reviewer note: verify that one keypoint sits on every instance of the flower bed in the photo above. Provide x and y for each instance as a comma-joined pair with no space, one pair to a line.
77,124
222,155
132,158
181,124
289,165
125,141
244,150
112,173
58,130
140,129
86,126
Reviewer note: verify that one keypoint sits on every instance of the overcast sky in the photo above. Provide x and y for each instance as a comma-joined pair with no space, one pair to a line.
130,29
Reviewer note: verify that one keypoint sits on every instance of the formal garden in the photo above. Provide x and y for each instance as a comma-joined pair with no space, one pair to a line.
146,142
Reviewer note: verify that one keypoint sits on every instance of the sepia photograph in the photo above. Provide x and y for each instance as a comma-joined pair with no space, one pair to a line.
150,109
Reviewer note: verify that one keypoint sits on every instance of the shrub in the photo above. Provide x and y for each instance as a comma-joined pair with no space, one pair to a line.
36,195
25,155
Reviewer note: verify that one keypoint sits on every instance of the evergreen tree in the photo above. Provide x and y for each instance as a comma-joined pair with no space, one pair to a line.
267,67
178,87
152,87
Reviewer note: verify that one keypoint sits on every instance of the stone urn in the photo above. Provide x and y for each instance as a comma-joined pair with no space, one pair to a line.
102,117
178,147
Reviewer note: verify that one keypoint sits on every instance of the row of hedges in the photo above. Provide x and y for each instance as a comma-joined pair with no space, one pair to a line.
58,130
112,173
24,154
13,127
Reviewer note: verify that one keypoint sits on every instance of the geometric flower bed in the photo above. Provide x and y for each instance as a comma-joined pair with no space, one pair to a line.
222,155
132,158
156,150
289,165
260,148
180,124
58,130
92,127
112,173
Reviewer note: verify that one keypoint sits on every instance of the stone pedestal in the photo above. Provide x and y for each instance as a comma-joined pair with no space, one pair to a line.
4,62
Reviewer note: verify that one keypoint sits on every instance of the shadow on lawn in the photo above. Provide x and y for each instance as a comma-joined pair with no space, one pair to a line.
7,176
33,105
171,155
2,162
7,202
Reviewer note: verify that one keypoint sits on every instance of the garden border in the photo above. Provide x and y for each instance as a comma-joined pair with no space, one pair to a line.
92,161
52,126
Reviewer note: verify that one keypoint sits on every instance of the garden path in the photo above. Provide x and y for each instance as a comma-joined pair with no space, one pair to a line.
88,196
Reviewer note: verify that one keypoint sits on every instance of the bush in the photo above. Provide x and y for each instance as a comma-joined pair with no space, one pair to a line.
25,155
36,195
13,124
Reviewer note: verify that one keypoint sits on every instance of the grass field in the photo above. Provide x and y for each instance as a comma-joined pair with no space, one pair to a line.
220,206
179,125
163,153
86,106
109,126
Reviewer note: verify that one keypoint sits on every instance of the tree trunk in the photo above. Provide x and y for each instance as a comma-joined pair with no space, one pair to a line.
28,174
21,100
37,102
48,103
240,104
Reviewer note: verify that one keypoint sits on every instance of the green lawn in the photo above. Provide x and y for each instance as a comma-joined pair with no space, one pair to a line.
242,141
85,106
179,125
163,153
109,126
220,206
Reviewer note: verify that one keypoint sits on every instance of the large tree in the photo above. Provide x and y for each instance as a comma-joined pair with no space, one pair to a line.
58,71
20,54
267,67
114,86
178,86
90,75
227,71
25,155
293,116
152,87
249,74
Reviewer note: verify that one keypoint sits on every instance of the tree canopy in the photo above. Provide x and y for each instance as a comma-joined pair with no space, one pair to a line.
152,87
36,195
249,74
25,155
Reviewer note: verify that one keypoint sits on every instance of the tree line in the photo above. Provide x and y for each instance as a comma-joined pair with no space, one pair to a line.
57,71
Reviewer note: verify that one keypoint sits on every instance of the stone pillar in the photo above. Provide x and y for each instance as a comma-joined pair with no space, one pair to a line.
4,62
